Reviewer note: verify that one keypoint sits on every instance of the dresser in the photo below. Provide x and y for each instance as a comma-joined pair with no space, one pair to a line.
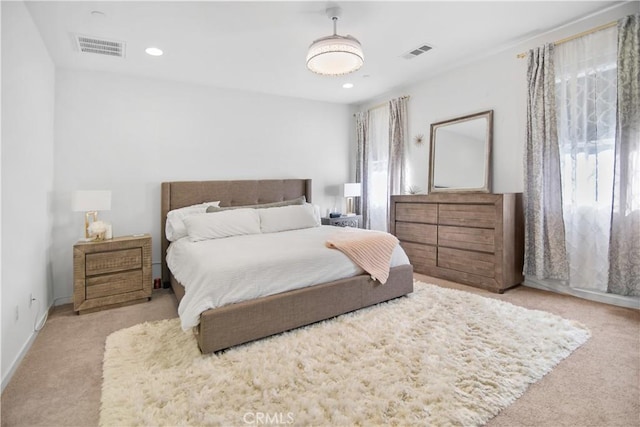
111,273
471,238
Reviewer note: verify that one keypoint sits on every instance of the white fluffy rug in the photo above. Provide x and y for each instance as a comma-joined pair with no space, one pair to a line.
438,357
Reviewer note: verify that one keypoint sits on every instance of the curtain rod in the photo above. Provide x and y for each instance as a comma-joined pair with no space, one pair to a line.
384,104
575,36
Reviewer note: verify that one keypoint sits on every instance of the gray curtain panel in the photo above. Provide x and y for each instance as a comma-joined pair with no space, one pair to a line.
397,141
362,132
624,244
545,253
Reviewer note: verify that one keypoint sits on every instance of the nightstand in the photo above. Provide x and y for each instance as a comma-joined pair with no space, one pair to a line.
344,221
111,273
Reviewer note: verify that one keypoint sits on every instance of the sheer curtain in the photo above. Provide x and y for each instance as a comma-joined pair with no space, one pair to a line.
585,71
376,174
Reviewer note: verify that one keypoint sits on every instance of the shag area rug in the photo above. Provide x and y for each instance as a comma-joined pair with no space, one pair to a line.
438,357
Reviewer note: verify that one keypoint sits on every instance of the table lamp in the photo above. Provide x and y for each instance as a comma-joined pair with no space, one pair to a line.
90,202
352,190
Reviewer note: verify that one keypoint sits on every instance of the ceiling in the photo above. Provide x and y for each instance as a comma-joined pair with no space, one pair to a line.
261,46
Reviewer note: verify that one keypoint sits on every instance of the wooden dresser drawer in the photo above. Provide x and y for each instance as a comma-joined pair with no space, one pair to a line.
418,233
482,216
417,212
114,284
476,239
113,261
420,255
481,264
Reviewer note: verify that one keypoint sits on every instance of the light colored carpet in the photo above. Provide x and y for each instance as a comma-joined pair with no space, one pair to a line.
438,357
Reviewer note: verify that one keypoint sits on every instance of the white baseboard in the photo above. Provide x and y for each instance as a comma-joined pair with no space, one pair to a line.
603,297
6,378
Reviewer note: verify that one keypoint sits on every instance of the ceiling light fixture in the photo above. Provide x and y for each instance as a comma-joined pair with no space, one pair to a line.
335,55
347,85
154,51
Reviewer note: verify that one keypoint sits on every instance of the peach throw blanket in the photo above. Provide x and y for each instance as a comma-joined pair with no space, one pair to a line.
371,250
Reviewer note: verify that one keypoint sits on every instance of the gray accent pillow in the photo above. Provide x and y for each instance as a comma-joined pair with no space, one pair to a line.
299,201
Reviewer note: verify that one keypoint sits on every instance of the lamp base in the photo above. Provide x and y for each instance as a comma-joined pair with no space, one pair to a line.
93,215
350,206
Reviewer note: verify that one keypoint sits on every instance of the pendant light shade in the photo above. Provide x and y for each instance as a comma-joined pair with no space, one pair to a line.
335,55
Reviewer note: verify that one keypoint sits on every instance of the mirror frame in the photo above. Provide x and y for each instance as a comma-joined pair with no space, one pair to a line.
486,188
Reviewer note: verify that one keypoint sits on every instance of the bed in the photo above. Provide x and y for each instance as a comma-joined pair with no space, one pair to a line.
241,322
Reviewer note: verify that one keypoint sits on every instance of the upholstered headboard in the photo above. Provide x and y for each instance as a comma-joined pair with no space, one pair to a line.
179,194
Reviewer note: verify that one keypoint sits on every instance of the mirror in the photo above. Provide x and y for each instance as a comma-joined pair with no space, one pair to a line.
461,154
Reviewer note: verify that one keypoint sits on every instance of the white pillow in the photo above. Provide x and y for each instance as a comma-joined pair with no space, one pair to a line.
216,225
287,218
174,228
316,213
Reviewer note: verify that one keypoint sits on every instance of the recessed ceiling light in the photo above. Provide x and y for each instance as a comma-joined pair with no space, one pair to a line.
347,85
154,51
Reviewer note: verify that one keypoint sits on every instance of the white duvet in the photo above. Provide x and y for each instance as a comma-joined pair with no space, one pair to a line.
218,272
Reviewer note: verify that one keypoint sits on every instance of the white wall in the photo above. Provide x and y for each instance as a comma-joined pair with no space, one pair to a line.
27,180
485,85
496,82
128,134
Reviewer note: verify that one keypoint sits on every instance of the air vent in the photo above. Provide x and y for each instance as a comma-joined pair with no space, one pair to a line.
100,46
417,51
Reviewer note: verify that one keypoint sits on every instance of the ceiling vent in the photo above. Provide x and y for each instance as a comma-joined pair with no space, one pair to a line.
417,51
100,46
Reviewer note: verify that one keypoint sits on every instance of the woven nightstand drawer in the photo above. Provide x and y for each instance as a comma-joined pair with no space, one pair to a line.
114,284
113,261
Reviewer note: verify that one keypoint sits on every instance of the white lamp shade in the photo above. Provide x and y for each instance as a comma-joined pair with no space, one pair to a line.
85,201
352,189
335,56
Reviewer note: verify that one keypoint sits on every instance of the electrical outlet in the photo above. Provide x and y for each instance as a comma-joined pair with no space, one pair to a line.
30,300
17,312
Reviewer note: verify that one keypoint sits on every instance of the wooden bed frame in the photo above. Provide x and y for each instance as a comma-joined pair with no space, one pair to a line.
242,322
